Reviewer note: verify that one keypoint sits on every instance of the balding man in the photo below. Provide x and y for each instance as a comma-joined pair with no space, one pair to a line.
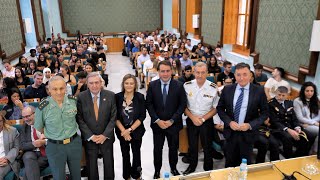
33,146
56,117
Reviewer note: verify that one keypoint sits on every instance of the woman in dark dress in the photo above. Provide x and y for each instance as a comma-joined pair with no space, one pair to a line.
131,112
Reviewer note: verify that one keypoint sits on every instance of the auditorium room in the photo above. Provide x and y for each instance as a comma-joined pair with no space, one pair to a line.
159,89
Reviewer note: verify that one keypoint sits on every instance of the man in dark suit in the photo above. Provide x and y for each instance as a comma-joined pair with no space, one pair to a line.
166,101
32,144
243,108
96,118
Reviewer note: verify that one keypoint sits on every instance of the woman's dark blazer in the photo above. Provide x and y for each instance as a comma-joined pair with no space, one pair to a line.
139,112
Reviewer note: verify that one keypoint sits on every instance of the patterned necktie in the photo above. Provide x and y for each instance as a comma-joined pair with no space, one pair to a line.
95,106
164,94
238,106
35,136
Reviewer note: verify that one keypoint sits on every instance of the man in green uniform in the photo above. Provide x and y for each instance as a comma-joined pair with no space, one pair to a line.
56,117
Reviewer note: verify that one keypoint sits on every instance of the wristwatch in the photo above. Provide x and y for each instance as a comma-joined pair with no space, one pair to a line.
203,120
130,129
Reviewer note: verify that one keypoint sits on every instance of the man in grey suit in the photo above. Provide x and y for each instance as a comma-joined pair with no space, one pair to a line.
9,147
96,118
32,144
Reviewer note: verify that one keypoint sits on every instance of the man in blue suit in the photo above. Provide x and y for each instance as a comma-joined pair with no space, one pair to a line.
243,108
166,101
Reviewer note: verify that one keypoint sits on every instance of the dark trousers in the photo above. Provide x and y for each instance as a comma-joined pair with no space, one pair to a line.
263,144
205,131
33,164
303,146
237,147
60,154
93,150
129,170
173,144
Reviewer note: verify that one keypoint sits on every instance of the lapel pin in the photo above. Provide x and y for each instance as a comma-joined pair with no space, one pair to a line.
104,99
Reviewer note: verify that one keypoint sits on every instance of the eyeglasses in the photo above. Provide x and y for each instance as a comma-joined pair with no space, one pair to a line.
28,116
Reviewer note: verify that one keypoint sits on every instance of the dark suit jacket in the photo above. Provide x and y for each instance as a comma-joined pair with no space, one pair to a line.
282,117
257,110
139,113
25,139
174,107
107,115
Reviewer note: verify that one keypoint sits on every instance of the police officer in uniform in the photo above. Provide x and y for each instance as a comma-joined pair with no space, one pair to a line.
286,127
202,100
56,117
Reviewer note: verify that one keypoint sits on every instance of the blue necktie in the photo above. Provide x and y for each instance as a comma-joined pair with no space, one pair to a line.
238,106
164,94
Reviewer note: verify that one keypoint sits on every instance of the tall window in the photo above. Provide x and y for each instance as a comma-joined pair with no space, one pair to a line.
243,22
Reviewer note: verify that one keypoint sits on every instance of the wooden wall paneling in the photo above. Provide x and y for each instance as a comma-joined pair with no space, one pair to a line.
222,23
175,14
42,21
230,21
193,7
114,44
35,21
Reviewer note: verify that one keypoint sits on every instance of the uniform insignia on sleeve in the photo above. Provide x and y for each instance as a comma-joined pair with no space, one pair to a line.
213,85
43,104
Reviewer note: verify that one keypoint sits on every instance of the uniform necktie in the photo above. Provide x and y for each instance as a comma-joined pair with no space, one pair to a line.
35,136
164,94
95,106
238,106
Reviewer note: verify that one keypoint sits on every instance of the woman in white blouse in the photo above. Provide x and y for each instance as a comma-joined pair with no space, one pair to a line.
306,107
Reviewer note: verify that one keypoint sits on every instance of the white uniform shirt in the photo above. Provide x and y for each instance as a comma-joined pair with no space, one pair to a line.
201,100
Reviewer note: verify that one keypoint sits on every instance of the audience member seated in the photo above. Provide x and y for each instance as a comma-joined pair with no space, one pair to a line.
37,89
42,63
153,73
286,127
265,141
226,82
32,143
185,61
54,66
77,67
217,54
88,68
32,56
273,83
207,53
175,54
306,107
253,79
225,74
32,67
213,67
47,75
21,78
9,147
80,54
101,53
176,68
23,63
187,75
148,65
81,85
144,56
7,84
15,104
68,77
260,77
9,70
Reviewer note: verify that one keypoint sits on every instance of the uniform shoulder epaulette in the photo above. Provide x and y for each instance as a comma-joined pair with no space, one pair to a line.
43,104
189,82
72,97
271,100
213,85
